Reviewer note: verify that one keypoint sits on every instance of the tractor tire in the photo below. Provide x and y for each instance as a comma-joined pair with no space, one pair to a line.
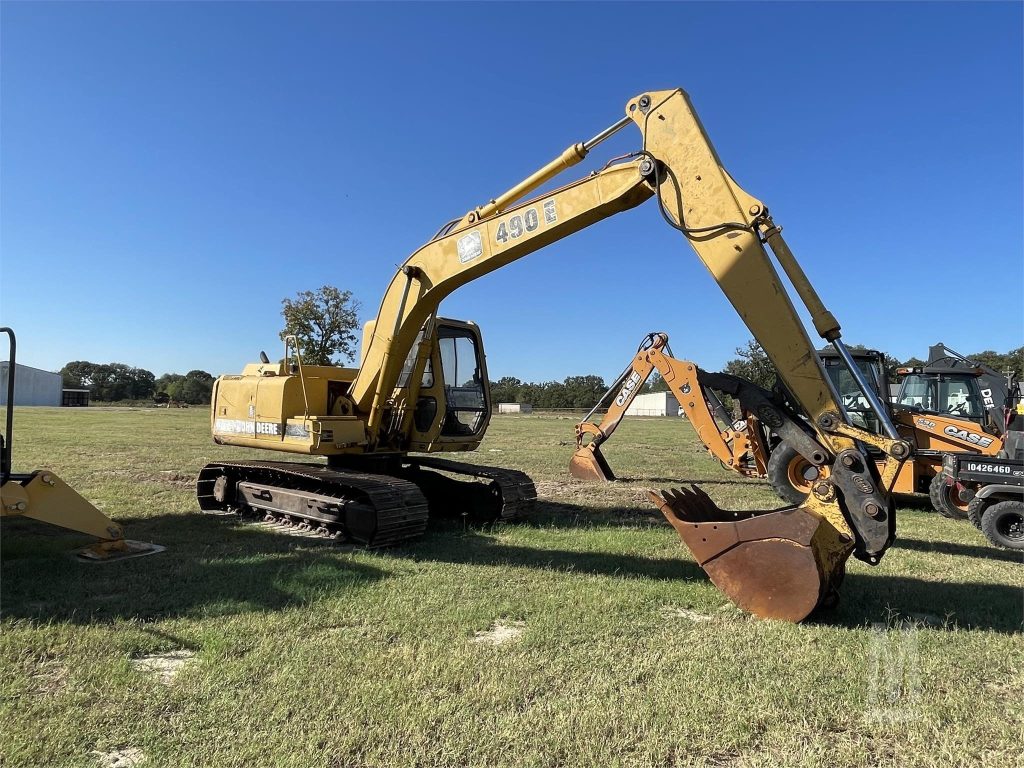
945,500
1003,525
975,510
790,474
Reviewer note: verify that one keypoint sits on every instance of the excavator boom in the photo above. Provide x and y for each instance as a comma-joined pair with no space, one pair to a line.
392,403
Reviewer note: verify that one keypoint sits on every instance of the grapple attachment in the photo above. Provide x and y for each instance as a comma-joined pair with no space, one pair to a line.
588,463
778,564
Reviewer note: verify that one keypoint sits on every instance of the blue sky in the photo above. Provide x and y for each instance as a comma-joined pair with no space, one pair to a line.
170,172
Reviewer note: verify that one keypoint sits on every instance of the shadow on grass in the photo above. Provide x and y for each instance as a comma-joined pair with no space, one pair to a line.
212,566
962,550
674,481
475,549
889,600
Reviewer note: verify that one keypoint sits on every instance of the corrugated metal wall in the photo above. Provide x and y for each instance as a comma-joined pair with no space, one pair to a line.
654,404
31,386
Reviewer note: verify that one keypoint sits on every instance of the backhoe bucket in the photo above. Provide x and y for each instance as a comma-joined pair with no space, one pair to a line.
778,564
588,464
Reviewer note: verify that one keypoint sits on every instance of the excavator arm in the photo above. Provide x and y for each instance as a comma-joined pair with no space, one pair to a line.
781,563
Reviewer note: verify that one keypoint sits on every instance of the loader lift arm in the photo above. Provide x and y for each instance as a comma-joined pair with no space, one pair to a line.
743,451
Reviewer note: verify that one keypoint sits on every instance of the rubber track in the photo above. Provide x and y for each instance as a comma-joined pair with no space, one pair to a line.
518,493
400,506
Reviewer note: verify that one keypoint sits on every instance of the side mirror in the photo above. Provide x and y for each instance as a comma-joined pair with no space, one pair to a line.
263,357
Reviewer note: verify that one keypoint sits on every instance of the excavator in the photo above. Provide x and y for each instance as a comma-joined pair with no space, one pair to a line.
421,384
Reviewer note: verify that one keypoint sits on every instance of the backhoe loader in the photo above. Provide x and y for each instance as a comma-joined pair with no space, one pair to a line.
747,446
940,409
421,385
42,496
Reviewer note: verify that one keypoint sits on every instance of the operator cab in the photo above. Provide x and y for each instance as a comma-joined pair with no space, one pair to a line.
942,391
452,402
872,366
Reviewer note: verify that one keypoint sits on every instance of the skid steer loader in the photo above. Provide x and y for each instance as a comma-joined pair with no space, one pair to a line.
41,495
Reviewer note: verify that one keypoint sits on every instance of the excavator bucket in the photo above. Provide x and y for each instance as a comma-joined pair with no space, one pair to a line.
589,464
43,496
778,564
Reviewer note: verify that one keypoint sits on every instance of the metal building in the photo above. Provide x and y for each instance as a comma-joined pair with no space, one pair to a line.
32,386
515,408
654,404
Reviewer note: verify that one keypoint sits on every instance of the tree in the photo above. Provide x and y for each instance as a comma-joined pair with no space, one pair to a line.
109,381
197,388
506,389
324,322
753,365
1011,361
78,374
584,391
194,388
656,383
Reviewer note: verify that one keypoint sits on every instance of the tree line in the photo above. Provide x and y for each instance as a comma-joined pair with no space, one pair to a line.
753,364
113,382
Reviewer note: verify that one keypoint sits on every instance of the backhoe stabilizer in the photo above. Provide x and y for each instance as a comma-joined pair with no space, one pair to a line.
43,496
780,564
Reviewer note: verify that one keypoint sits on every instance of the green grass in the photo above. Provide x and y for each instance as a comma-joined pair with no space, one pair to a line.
309,654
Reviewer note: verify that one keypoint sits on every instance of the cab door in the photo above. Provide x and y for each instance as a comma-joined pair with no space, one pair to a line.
454,403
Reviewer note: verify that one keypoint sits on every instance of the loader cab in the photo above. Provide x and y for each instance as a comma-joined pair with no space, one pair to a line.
872,365
942,391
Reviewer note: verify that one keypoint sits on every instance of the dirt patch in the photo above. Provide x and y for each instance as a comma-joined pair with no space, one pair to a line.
499,633
164,665
50,679
674,612
121,758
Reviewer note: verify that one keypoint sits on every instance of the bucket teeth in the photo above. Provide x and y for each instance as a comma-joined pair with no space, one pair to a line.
779,564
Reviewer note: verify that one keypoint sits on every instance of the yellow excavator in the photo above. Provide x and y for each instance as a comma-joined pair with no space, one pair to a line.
421,385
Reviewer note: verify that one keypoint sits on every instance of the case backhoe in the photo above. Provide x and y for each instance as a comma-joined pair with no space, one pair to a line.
940,410
421,385
740,445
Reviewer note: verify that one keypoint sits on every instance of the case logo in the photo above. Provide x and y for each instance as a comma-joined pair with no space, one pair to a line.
627,388
970,437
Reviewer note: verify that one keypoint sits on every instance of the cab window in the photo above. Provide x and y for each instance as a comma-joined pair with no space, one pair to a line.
465,399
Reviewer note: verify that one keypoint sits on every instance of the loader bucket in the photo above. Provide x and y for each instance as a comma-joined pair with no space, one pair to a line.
778,564
589,464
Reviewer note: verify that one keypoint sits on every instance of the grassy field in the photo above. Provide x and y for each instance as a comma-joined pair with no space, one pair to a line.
585,637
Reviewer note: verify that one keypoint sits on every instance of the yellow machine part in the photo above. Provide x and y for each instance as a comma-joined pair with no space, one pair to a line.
45,497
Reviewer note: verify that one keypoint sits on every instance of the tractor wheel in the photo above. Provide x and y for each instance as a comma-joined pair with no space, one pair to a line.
975,510
790,474
1003,524
946,499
